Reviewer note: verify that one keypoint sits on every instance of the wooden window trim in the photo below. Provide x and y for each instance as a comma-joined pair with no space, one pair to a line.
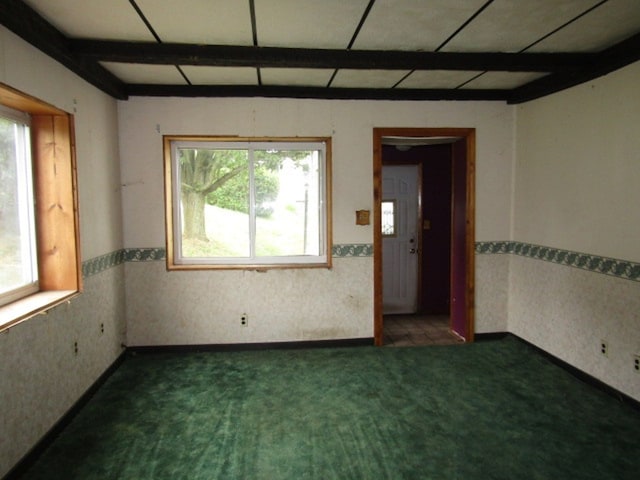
57,221
169,202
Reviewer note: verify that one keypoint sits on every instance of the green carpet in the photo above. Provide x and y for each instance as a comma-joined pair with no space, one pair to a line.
489,410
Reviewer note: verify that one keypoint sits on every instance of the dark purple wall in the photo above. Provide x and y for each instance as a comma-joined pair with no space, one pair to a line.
436,241
458,244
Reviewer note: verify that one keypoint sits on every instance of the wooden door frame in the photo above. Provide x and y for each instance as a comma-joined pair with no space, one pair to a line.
469,136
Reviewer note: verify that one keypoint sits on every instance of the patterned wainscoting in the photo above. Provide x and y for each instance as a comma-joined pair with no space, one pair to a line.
593,263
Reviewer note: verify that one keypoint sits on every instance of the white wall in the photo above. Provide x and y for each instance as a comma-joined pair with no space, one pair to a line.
40,376
576,184
578,168
160,305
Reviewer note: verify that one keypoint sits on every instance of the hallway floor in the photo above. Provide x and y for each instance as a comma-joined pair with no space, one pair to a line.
412,330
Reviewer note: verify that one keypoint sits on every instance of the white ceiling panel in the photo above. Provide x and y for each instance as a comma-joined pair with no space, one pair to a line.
437,79
221,75
508,26
367,78
307,23
477,27
503,80
153,74
108,20
214,22
604,26
413,24
298,77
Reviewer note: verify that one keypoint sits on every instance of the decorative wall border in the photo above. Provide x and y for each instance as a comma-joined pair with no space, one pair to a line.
99,264
592,263
494,247
144,254
103,262
353,250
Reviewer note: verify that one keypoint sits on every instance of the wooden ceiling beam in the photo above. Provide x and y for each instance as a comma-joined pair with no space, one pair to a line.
273,91
82,56
278,57
604,62
26,23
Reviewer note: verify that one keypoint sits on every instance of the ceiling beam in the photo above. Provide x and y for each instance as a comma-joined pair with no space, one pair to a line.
278,57
82,57
273,91
26,23
604,62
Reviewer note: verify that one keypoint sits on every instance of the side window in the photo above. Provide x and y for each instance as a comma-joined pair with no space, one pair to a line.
18,256
39,233
389,218
247,203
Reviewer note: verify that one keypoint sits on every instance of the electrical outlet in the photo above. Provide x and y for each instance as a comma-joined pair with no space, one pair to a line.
244,319
101,328
75,347
604,348
636,363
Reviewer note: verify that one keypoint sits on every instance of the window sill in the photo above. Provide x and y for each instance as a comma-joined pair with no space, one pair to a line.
262,267
38,303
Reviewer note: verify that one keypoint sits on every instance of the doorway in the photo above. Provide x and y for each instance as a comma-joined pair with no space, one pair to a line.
457,296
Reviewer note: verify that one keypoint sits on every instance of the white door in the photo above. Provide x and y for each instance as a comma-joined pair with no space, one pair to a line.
399,239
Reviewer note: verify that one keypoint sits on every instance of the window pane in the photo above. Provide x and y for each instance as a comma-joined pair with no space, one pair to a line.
214,199
247,203
388,217
18,265
287,202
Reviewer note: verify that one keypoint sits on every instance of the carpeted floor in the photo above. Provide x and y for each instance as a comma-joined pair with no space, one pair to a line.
489,410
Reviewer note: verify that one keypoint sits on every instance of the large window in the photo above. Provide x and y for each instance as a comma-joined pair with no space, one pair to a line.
39,254
247,203
18,257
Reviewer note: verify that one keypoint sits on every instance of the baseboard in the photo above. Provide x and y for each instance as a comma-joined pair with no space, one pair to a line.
481,337
581,375
238,347
29,459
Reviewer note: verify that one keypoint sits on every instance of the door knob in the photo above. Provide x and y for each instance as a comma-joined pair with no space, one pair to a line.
412,250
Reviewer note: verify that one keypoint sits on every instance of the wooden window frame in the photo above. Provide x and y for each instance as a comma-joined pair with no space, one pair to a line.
170,218
56,212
